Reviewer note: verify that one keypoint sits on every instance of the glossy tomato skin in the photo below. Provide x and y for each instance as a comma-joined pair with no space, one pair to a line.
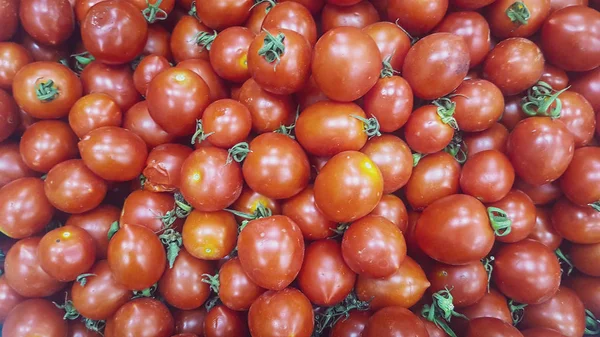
229,54
579,182
491,327
435,176
392,208
203,68
114,32
147,69
66,252
358,15
176,98
138,120
293,16
535,161
473,27
394,322
257,17
145,208
182,286
440,58
526,271
183,40
158,42
578,224
521,211
479,104
281,313
492,304
556,77
8,299
12,166
163,167
190,321
417,19
513,112
237,291
585,258
157,319
390,101
325,278
269,111
93,111
310,94
587,85
425,132
346,76
588,290
392,42
563,312
271,251
578,116
576,30
136,257
488,176
14,56
115,81
219,15
47,143
541,194
543,231
514,65
249,200
101,296
78,329
502,26
35,317
303,210
541,332
348,187
113,153
97,223
24,208
10,18
468,282
227,121
403,288
48,22
221,321
353,326
210,235
24,273
9,115
208,181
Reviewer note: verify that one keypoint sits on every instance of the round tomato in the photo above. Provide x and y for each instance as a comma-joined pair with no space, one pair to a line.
48,22
430,128
190,39
236,290
9,115
585,258
488,176
479,104
47,143
163,167
563,312
521,211
513,111
555,77
468,282
8,299
35,317
417,18
393,158
269,111
578,224
493,138
156,318
249,201
358,15
293,16
578,116
491,327
588,290
216,85
158,42
12,166
309,95
542,194
580,182
492,304
435,176
281,313
257,17
138,120
147,69
94,111
394,321
210,235
473,27
225,123
221,321
229,54
392,208
190,321
543,231
517,19
66,252
390,101
302,209
588,85
10,19
351,326
13,57
115,81
393,44
97,223
541,332
221,14
148,209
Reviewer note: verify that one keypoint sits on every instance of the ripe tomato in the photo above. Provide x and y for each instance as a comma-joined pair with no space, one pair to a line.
514,65
257,17
493,138
66,252
221,14
460,219
12,166
325,278
588,290
292,16
190,321
24,273
271,251
156,318
488,176
249,200
210,235
13,57
428,129
229,54
222,321
569,50
563,312
209,181
404,288
585,258
10,19
78,329
468,282
526,271
436,64
136,257
492,304
578,116
302,209
556,77
190,39
393,158
491,327
390,101
348,187
521,211
473,27
276,166
508,19
9,115
236,290
157,10
269,111
48,22
542,194
394,321
114,32
218,89
435,176
541,332
182,285
113,153
309,95
8,299
158,42
314,6
147,69
93,111
351,326
358,15
579,183
479,104
392,42
225,123
540,149
587,85
281,313
543,231
35,317
346,76
101,296
513,112
47,143
148,209
138,120
392,208
163,167
115,81
24,208
176,98
97,223
578,224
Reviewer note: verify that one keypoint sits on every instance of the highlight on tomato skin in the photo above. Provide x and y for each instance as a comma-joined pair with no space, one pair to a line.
305,168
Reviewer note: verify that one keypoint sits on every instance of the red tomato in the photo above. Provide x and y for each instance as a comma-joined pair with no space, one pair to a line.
473,27
430,128
392,208
580,182
521,211
115,81
157,10
10,19
392,42
292,16
48,22
190,39
488,176
541,332
148,209
269,111
147,69
578,224
588,290
257,17
190,321
479,104
578,116
47,143
210,235
218,89
468,282
523,19
163,167
8,299
556,77
563,312
12,166
221,321
585,258
94,111
158,42
236,290
309,95
97,223
221,14
9,115
229,54
156,318
587,84
491,327
492,304
358,15
225,123
390,101
394,322
35,317
302,209
314,6
435,176
249,200
13,57
138,120
281,313
66,252
493,138
352,326
543,231
513,112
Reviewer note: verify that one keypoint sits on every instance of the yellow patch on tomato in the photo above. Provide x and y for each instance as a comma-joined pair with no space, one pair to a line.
369,168
66,235
243,61
255,204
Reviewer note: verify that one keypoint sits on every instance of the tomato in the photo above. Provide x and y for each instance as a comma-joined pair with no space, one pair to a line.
543,231
113,153
35,317
186,42
158,42
358,15
176,99
461,220
93,111
218,89
488,176
473,27
390,101
209,181
432,329
12,166
190,321
578,116
82,7
42,52
276,166
585,258
479,104
156,318
236,290
468,282
223,14
351,326
229,54
67,252
221,321
393,44
328,128
225,123
563,312
249,200
540,149
147,69
491,327
181,286
24,208
587,84
325,278
587,289
292,16
524,19
314,6
513,112
302,209
404,288
136,257
163,167
210,235
570,38
492,304
281,313
521,211
13,57
9,115
8,299
257,17
24,273
115,81
346,76
348,187
138,120
514,65
78,329
309,95
526,271
394,322
148,209
10,19
48,22
579,182
47,143
493,138
556,77
436,65
541,332
435,176
114,32
392,208
97,223
158,10
541,194
578,224
269,111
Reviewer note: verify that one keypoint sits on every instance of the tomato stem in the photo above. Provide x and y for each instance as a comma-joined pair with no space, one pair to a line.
387,70
488,265
143,180
595,205
327,318
205,39
182,207
592,324
238,152
340,229
213,281
211,302
539,99
518,13
151,13
516,311
172,240
199,135
71,312
96,326
289,129
148,292
417,158
82,279
114,227
499,220
82,60
441,310
457,148
564,258
273,48
271,3
445,109
192,11
370,125
413,40
46,91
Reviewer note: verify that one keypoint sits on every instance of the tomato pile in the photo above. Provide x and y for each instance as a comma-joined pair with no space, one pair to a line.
305,168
